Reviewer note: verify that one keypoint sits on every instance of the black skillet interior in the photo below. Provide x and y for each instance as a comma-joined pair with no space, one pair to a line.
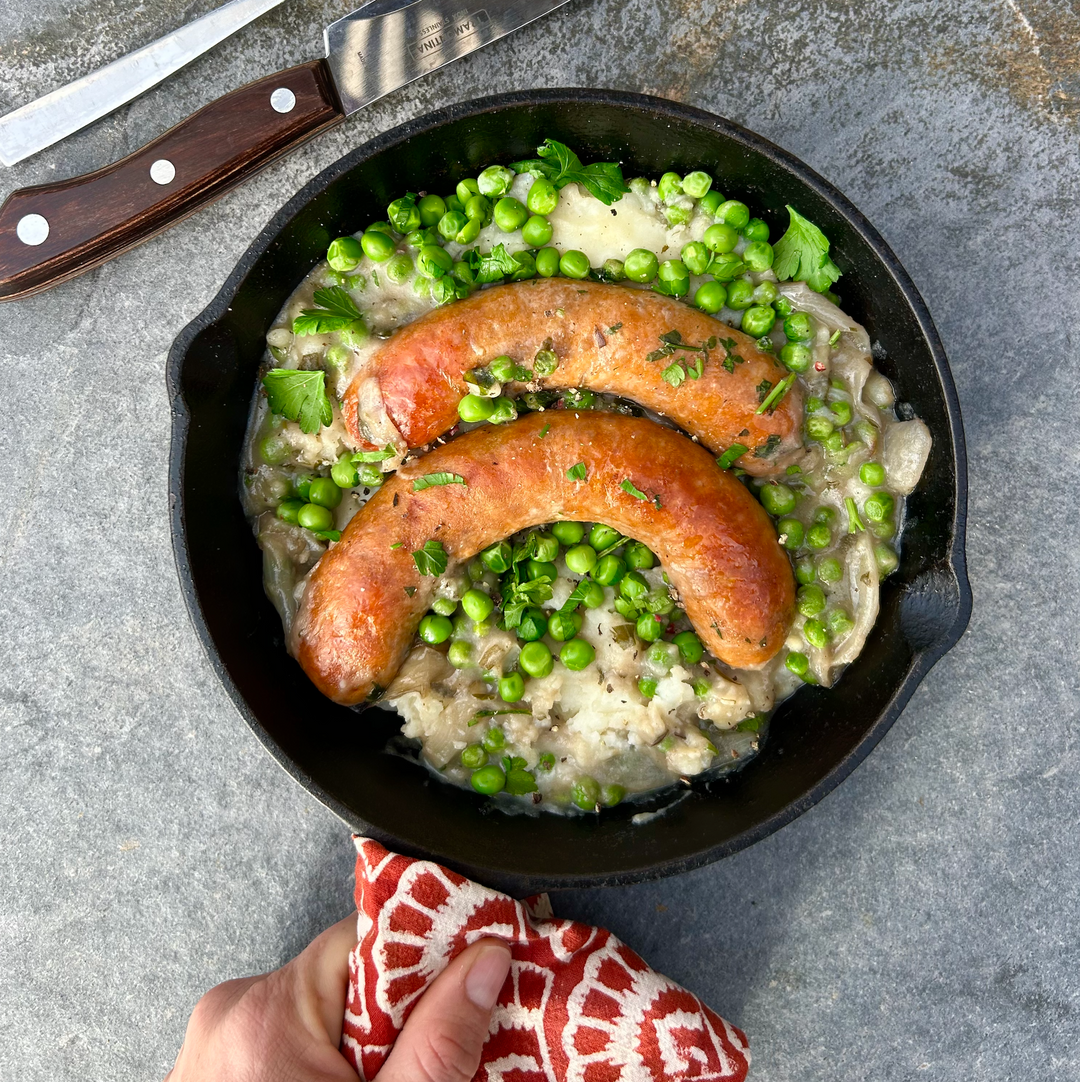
816,738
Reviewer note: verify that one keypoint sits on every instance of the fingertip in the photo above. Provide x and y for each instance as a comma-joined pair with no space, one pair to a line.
487,972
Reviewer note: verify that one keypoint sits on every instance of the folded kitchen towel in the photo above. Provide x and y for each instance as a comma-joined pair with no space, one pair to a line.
578,1004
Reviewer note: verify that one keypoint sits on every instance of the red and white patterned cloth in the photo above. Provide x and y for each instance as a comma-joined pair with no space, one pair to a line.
579,1006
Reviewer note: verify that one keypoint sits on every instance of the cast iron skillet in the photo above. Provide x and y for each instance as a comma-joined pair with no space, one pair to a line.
816,738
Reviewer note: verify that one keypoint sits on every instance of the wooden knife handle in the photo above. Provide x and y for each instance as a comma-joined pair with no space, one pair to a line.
55,231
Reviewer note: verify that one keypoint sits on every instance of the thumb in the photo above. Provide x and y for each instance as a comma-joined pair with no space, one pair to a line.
443,1038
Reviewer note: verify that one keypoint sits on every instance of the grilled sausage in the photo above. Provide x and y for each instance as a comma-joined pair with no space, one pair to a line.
603,336
364,599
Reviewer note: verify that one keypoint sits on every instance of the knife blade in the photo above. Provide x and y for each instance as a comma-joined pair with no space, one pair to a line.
56,231
68,109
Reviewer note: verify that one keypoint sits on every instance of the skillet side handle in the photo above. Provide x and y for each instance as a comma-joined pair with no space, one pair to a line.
54,232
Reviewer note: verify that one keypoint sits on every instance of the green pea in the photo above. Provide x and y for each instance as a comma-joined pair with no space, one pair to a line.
443,290
545,363
533,625
433,261
453,203
474,408
696,184
695,256
404,215
663,655
466,189
536,659
577,654
543,197
378,247
710,201
833,443
733,213
419,237
574,264
564,625
675,276
381,227
810,600
726,266
435,629
710,297
452,223
819,428
804,571
879,506
609,569
273,450
791,532
690,648
887,560
303,486
819,536
510,215
538,569
884,529
841,411
816,634
610,795
795,356
520,782
444,606
758,256
585,793
495,180
633,586
783,307
488,780
313,516
638,557
641,265
344,472
474,755
547,547
829,569
797,663
581,559
669,187
872,474
399,267
778,499
766,293
755,229
370,475
758,320
649,627
460,654
431,208
463,274
469,231
536,232
839,623
478,606
647,686
498,557
613,270
568,533
602,537
825,514
593,594
721,238
287,510
478,209
547,262
798,327
511,687
344,253
740,294
503,369
626,608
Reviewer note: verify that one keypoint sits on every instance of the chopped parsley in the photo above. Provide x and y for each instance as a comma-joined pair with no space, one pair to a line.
750,725
299,396
559,164
581,591
410,590
727,459
327,535
336,312
731,359
518,596
802,254
614,328
674,374
434,480
772,399
673,342
577,473
375,456
496,265
629,487
431,559
763,389
768,448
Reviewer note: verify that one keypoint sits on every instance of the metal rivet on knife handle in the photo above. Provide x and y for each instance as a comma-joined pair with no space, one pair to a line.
283,100
163,171
32,229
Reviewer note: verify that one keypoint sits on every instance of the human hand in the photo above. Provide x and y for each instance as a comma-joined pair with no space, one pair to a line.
285,1026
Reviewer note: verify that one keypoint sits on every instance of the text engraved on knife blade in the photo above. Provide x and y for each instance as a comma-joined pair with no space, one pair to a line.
461,27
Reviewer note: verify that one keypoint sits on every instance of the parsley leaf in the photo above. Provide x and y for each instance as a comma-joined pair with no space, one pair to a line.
433,480
336,312
375,456
614,328
431,559
495,265
577,473
299,396
727,459
562,166
581,591
327,535
518,596
628,486
674,374
768,448
802,254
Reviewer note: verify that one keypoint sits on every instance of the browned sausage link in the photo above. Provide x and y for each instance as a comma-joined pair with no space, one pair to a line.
365,597
603,336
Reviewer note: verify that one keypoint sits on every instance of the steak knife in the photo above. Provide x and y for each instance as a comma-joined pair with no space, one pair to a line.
53,232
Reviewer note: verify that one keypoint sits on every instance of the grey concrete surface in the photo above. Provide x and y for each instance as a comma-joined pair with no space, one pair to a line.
921,923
